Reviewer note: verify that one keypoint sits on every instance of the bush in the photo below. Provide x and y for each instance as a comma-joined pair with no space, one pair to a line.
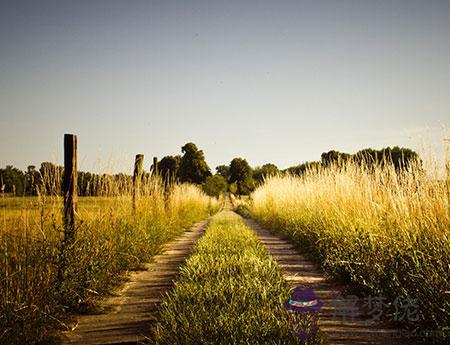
215,185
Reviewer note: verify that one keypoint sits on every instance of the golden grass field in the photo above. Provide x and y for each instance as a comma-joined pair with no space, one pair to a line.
384,231
110,239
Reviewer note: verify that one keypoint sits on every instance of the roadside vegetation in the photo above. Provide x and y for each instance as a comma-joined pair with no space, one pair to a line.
373,219
230,291
384,229
110,239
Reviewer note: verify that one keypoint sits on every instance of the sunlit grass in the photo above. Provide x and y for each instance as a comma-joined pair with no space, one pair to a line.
110,239
384,231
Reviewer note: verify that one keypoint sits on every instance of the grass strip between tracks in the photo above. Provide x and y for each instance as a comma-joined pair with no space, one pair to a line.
230,291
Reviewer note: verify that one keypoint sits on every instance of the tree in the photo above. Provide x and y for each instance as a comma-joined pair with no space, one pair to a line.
215,185
302,168
233,188
85,185
241,173
401,158
193,167
168,168
224,171
32,180
51,178
12,180
260,173
334,157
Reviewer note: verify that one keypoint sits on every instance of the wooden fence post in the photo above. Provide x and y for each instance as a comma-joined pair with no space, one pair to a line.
138,163
69,190
69,185
155,166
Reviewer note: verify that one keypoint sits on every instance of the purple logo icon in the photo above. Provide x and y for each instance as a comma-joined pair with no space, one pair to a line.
303,308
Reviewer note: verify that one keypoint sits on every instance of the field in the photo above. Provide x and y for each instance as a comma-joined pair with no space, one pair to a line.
110,240
385,232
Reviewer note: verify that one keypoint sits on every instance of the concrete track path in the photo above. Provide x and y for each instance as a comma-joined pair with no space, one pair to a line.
128,315
342,321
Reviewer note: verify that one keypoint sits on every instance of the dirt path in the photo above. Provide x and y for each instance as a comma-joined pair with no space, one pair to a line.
339,319
128,315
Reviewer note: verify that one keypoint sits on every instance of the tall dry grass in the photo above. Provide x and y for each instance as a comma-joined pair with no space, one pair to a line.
384,231
110,239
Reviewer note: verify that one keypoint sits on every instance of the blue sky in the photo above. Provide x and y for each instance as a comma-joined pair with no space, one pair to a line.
270,81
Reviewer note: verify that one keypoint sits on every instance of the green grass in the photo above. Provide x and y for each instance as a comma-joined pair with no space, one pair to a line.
230,291
109,241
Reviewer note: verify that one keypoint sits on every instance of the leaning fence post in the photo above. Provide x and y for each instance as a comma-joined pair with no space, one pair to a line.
138,163
69,190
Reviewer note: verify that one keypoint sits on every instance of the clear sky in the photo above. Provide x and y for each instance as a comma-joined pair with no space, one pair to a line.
270,81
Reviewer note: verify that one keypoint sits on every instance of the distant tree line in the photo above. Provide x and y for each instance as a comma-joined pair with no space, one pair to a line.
191,168
47,180
30,182
238,177
399,157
